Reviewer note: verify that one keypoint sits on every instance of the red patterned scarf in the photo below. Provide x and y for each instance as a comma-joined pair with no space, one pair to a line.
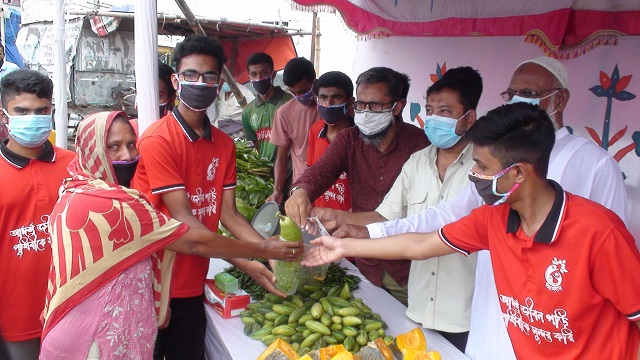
99,229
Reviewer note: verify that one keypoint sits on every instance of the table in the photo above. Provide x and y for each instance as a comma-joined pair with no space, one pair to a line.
225,338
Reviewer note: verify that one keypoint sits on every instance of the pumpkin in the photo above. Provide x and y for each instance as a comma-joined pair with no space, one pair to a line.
413,339
327,353
415,354
375,350
343,355
279,350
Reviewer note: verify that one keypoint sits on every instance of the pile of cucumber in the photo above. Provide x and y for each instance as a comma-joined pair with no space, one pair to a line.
314,318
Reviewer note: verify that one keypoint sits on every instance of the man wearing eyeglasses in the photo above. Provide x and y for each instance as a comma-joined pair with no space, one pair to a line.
187,169
291,125
577,164
372,154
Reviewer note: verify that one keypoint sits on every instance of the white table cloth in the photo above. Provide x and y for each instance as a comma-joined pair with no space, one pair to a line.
225,339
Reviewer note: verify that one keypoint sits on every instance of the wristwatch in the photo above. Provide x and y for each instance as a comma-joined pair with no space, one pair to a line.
293,189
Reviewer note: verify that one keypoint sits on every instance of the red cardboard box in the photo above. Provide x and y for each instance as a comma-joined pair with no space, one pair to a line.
226,304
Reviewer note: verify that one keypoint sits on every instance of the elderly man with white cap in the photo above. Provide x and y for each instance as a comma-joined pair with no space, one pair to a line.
578,165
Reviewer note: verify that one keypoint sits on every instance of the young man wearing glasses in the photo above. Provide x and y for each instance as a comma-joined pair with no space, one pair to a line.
187,169
372,154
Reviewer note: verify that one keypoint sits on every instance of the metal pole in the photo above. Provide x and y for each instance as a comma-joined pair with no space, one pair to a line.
146,66
226,75
60,79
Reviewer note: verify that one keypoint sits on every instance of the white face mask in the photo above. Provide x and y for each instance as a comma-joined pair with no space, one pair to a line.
372,123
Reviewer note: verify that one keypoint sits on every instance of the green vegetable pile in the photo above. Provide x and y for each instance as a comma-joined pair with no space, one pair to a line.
254,176
336,276
313,318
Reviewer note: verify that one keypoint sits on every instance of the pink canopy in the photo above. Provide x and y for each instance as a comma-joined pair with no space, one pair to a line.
563,29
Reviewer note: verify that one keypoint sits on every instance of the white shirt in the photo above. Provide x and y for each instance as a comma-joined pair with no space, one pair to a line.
7,67
581,167
440,289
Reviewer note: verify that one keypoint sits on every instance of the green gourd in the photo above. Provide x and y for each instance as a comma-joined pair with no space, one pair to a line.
289,274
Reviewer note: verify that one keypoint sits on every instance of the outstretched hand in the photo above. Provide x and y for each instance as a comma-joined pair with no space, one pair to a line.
325,251
274,248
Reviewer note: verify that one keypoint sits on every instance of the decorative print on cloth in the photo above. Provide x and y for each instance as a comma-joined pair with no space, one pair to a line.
104,25
99,229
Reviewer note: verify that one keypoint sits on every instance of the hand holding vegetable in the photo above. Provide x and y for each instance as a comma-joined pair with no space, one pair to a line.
298,207
261,275
276,249
327,250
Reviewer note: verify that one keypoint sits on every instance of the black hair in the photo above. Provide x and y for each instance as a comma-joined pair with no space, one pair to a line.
517,132
260,58
397,83
199,44
164,74
298,69
335,79
465,81
25,81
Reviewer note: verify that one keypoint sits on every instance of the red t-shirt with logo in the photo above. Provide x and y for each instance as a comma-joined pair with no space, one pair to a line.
29,190
572,291
173,157
338,195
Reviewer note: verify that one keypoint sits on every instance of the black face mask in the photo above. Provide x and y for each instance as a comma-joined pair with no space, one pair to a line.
125,170
197,96
262,86
332,114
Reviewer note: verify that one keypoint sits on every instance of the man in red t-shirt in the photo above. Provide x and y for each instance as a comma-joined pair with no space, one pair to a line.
187,170
31,173
335,102
568,285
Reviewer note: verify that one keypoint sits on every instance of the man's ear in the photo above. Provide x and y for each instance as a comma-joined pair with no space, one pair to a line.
523,171
561,99
175,81
400,104
471,118
3,117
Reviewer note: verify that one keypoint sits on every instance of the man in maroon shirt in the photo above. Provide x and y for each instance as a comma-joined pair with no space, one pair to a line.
372,154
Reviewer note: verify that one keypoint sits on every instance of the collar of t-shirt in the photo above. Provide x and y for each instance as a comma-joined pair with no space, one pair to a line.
273,100
323,133
19,161
548,232
187,130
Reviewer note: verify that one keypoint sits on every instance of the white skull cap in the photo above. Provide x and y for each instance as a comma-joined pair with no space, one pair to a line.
554,66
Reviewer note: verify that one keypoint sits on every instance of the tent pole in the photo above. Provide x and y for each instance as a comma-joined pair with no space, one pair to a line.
226,75
146,66
60,79
313,37
316,36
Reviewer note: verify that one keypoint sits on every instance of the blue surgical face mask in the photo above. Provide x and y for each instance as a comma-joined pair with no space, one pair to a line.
29,130
532,101
225,88
441,130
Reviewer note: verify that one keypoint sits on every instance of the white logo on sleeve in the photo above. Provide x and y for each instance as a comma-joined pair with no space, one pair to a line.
553,274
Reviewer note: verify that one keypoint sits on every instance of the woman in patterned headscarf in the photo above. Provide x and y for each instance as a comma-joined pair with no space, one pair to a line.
108,269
